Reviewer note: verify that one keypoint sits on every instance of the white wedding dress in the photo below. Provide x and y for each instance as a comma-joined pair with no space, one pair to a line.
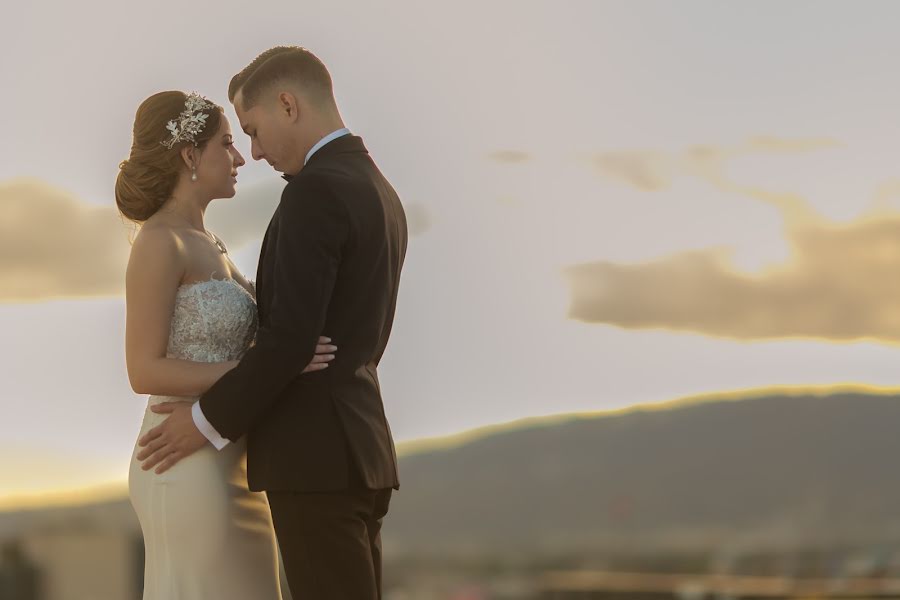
206,536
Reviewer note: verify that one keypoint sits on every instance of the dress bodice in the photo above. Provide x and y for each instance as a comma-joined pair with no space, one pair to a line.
213,321
205,534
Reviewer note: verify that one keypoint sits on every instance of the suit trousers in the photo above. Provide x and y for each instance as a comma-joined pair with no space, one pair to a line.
331,541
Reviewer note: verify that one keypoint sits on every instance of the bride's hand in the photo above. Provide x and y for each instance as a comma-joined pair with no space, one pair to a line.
324,355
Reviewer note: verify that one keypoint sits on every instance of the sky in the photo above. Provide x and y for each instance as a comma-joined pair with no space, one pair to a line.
611,204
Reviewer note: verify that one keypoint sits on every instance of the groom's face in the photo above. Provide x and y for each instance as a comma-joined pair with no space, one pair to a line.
266,134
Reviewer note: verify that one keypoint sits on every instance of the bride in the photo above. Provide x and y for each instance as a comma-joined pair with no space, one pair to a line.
191,315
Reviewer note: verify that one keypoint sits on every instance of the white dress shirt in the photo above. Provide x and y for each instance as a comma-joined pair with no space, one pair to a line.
200,421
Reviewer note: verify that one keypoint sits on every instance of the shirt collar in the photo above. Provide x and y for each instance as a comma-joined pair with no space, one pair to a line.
331,136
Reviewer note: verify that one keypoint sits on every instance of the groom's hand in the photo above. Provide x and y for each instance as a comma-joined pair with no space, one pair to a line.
175,438
323,355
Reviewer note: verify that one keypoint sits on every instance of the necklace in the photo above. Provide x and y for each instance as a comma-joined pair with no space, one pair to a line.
213,238
218,243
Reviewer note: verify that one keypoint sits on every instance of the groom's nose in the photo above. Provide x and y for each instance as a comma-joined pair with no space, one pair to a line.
255,151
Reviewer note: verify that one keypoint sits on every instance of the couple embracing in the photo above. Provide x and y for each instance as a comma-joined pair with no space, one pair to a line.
265,423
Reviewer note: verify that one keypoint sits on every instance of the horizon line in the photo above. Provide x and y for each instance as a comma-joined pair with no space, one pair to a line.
117,489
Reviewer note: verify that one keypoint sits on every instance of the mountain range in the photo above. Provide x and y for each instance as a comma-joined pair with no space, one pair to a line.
764,471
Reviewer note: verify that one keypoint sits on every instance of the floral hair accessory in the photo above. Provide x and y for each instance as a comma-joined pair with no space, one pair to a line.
190,122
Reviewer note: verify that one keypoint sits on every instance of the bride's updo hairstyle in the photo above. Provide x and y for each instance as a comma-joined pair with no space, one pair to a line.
148,176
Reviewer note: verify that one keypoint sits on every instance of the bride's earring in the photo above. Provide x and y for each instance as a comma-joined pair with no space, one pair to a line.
193,173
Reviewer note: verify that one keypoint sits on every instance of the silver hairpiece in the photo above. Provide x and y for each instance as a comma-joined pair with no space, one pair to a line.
190,122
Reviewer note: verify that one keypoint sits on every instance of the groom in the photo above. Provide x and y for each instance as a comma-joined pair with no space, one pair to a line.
318,443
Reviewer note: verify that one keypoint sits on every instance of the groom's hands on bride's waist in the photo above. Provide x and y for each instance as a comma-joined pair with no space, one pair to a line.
178,437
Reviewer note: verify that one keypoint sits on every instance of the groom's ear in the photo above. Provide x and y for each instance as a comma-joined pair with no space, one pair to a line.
288,105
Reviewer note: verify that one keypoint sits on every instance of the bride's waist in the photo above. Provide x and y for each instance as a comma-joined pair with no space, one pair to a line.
154,399
152,419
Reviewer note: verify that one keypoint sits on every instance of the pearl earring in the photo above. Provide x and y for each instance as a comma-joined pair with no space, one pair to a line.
193,173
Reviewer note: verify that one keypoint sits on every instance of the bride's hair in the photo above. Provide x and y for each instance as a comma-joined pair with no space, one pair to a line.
148,176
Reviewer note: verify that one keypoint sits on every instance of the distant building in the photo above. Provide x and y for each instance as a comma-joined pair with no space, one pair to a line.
19,578
597,585
81,560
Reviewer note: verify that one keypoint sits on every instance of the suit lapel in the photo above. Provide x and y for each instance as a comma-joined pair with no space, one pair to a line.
262,300
330,151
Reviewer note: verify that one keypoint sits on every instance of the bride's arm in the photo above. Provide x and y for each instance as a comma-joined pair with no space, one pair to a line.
155,270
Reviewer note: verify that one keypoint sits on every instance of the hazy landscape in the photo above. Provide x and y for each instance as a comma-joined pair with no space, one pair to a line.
774,484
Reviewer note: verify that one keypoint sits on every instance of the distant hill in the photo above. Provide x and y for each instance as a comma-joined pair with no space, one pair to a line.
760,472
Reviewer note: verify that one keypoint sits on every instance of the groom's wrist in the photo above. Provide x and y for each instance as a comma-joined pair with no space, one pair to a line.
206,428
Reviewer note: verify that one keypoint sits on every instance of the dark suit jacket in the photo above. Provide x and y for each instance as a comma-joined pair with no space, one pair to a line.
330,265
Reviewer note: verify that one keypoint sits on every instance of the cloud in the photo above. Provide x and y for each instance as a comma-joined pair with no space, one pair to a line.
244,218
510,156
839,283
418,219
766,143
648,171
55,245
654,171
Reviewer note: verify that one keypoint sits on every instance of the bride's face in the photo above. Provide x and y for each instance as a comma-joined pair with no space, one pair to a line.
219,162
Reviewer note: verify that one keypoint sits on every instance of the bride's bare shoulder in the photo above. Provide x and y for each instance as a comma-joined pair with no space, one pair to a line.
157,250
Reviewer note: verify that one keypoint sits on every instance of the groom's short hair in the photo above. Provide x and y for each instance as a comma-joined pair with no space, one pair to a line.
282,64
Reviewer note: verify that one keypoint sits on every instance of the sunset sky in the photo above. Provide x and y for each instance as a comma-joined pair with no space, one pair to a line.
611,203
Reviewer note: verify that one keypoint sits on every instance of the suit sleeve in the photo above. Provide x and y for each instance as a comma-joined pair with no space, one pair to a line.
313,229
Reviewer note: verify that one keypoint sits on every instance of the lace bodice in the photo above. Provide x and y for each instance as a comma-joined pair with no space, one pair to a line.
214,321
